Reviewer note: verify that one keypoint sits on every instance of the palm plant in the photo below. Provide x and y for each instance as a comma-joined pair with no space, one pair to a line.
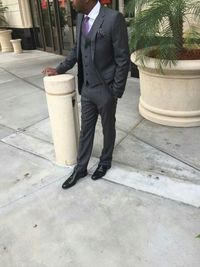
169,26
2,11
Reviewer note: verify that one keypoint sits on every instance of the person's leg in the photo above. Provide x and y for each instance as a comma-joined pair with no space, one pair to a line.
89,115
107,110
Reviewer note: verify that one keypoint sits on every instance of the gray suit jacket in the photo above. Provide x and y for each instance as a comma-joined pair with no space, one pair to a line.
109,48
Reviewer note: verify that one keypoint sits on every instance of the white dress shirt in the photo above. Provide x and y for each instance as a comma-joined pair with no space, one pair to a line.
93,14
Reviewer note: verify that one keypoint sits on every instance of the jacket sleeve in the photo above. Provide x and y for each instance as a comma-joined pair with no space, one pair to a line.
69,61
121,55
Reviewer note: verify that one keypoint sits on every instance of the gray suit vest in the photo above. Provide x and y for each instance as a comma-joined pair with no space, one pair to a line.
89,73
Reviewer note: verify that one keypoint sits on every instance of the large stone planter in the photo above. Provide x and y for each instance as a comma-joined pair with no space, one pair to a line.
5,37
171,98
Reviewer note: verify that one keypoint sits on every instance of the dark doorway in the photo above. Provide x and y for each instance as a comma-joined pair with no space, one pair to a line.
53,25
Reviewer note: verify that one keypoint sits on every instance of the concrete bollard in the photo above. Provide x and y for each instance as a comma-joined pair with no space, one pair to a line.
17,46
64,119
5,37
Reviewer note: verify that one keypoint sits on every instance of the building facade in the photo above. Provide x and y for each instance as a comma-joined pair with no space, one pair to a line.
48,25
18,17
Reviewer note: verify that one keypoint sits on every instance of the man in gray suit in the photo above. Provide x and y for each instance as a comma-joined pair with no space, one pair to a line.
102,53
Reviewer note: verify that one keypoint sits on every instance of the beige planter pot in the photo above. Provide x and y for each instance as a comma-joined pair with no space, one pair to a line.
17,46
5,37
172,98
63,113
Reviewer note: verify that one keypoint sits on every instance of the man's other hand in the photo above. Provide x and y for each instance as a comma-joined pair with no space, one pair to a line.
49,71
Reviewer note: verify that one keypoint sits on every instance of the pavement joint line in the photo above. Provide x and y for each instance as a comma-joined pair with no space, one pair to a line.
167,153
39,189
35,137
24,79
122,130
8,127
27,151
30,193
129,132
26,127
21,130
30,135
10,80
104,179
161,185
146,192
154,172
30,152
38,87
24,130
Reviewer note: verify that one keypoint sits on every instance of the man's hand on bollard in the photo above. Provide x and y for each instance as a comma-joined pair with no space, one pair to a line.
49,71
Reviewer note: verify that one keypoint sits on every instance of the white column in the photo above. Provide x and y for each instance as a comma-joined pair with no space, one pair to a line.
25,12
17,45
121,6
5,37
63,113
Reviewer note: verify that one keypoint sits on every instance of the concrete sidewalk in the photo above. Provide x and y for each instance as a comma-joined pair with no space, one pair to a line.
145,212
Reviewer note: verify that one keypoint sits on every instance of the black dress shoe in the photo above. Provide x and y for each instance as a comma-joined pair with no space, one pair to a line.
100,172
73,178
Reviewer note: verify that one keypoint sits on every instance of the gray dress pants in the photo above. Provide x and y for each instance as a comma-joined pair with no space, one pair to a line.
95,101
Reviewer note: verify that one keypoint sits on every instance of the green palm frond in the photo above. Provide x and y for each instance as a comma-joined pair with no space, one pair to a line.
160,23
194,8
2,11
192,37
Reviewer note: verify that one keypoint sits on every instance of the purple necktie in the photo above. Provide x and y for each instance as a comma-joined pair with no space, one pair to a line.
85,25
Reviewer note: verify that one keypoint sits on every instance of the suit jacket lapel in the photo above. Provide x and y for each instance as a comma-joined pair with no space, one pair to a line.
95,27
79,25
97,23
